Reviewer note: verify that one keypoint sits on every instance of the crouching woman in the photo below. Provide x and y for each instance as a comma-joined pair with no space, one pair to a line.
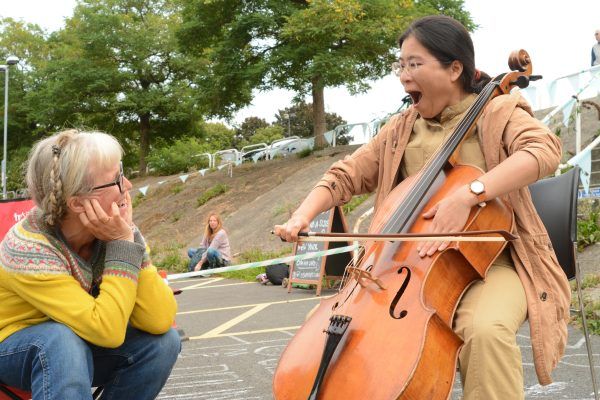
80,303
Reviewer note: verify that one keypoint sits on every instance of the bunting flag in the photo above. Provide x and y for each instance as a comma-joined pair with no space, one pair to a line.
202,171
220,167
143,190
184,177
552,91
584,160
574,81
531,96
161,182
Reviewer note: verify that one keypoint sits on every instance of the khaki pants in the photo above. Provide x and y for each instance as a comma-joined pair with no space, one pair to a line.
487,319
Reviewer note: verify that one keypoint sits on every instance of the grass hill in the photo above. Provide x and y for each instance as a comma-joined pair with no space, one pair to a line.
172,215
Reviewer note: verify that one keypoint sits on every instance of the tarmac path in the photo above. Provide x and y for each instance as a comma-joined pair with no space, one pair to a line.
237,330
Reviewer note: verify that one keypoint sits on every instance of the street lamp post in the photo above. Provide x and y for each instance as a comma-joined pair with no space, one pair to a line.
12,60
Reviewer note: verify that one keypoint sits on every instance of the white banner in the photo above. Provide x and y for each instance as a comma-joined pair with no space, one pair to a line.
143,190
184,177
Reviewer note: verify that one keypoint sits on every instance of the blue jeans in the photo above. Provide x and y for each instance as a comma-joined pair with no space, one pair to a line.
213,258
52,362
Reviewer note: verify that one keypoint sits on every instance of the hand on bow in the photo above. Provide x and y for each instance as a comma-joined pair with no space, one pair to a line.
289,230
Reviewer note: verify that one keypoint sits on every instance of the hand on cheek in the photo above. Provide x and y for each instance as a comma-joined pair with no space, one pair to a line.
105,226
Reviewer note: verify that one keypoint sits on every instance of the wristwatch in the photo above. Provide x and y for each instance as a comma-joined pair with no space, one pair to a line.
478,189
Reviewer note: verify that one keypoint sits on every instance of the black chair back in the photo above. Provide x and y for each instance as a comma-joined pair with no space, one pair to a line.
555,200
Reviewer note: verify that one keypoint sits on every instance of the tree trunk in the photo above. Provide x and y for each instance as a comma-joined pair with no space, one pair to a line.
144,141
320,125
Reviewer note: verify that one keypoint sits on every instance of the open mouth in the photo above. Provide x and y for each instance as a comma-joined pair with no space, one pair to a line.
415,97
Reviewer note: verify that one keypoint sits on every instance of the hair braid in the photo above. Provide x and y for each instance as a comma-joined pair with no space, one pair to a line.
55,206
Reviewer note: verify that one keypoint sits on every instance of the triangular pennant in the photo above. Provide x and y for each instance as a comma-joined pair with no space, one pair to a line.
161,182
584,160
220,167
531,96
184,177
143,190
552,91
574,81
202,171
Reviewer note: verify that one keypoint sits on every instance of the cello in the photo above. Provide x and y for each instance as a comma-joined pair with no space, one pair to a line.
388,332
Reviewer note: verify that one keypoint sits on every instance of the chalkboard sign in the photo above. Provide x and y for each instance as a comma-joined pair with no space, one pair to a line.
314,269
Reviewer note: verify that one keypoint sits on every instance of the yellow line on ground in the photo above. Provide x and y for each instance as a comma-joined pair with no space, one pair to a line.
234,321
249,305
202,283
205,336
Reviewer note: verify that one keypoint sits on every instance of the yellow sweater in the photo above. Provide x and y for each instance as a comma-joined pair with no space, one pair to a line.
42,279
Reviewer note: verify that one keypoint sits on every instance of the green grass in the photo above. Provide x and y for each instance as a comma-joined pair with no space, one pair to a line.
211,193
169,258
253,255
137,200
177,189
284,208
355,202
591,307
304,153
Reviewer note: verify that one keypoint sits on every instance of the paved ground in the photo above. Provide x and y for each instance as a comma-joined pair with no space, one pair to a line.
238,330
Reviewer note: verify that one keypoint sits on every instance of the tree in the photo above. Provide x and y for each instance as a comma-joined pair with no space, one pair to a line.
249,127
301,122
300,45
116,67
266,135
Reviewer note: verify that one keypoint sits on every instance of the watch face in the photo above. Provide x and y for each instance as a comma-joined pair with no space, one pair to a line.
477,187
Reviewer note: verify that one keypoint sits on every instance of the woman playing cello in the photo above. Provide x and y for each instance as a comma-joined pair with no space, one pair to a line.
437,69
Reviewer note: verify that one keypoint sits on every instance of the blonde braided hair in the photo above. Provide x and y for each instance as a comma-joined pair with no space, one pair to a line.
61,165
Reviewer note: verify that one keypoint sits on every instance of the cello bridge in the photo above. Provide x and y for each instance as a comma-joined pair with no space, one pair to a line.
364,277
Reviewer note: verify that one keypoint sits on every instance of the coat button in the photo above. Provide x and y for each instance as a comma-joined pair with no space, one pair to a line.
543,296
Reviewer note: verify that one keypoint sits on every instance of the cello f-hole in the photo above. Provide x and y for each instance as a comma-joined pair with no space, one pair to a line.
399,294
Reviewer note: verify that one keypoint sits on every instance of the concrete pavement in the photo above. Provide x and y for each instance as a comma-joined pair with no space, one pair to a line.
237,331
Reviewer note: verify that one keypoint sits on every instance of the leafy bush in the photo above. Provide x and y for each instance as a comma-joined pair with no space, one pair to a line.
16,165
588,230
178,157
304,152
211,193
265,135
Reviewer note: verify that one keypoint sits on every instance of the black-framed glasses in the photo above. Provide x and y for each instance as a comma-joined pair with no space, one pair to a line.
118,182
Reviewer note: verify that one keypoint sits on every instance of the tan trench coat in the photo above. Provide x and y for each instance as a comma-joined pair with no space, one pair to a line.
506,126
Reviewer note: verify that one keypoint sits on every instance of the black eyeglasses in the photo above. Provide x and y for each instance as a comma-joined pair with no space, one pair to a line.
118,182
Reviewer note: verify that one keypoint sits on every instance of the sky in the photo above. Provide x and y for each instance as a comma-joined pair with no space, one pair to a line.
557,35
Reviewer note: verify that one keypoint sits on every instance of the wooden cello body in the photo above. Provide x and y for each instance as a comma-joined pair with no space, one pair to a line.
388,332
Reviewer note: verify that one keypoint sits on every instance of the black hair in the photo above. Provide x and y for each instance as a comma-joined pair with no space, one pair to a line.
448,40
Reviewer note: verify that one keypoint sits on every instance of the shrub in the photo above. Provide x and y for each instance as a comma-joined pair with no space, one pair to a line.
178,157
304,152
211,193
588,230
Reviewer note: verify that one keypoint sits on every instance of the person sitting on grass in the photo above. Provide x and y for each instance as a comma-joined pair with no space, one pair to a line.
216,243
